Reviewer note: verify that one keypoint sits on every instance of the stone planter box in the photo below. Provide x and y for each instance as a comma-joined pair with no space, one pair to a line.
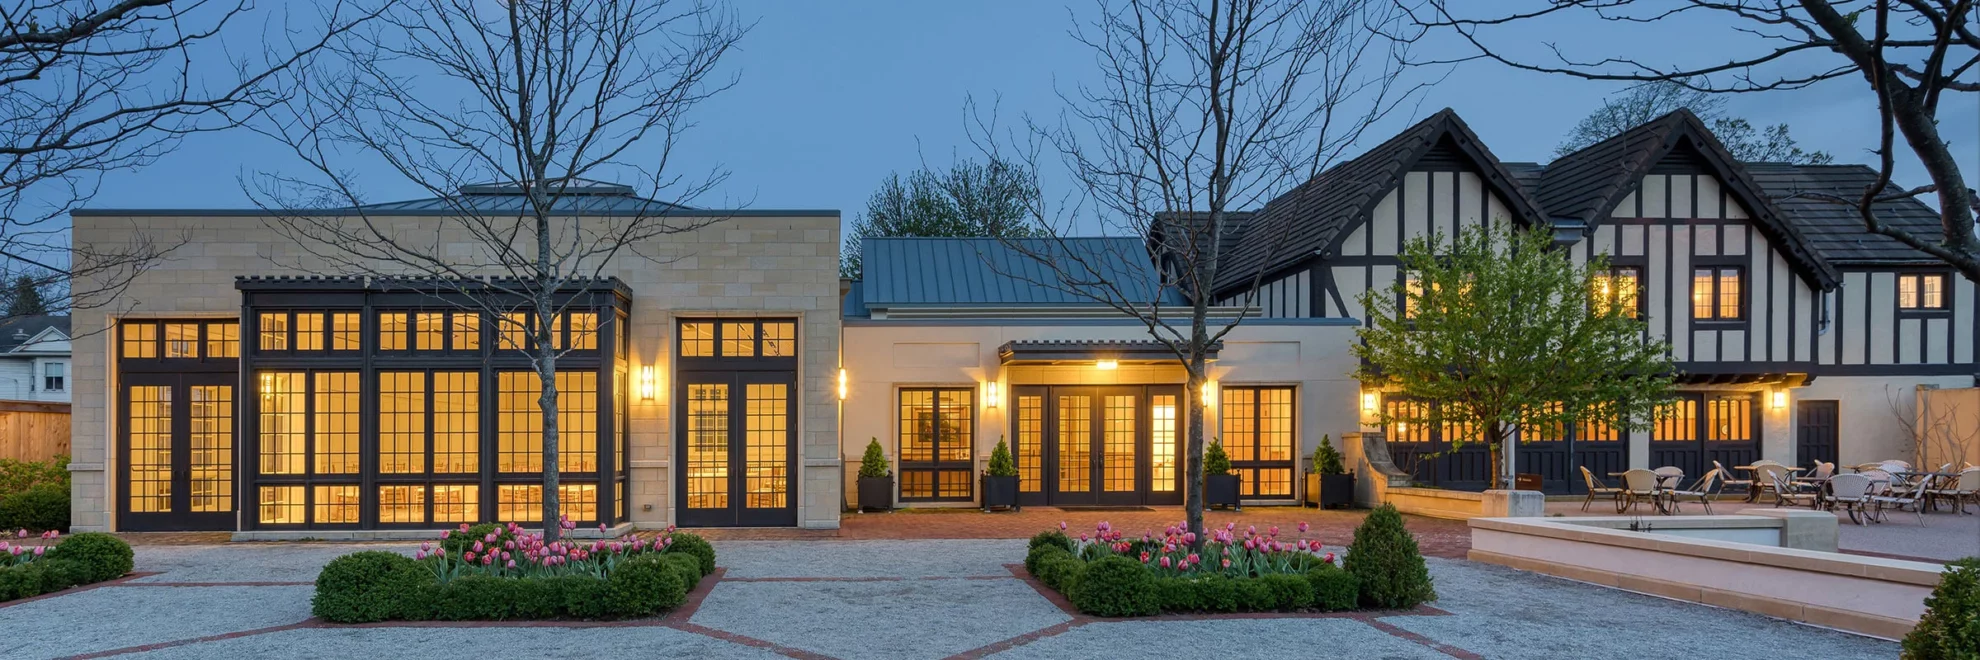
1330,490
876,493
1220,490
1000,492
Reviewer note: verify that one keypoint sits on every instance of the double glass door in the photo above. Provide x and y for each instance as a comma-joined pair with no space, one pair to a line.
176,446
1098,446
737,449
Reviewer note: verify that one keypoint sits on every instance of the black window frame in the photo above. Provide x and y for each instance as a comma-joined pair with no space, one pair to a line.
935,467
1291,464
1719,270
1641,310
1945,306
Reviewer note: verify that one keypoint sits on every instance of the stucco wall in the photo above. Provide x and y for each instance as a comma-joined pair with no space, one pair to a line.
883,356
752,264
1870,414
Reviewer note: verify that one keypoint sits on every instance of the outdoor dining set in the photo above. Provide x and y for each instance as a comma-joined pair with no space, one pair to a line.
1864,492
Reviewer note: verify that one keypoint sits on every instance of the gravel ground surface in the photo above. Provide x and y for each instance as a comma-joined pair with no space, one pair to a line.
954,558
601,643
894,619
1254,638
118,617
246,562
1503,613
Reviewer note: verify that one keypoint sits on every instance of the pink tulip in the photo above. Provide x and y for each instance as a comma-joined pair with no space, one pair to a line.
601,527
1165,562
1189,538
1330,557
1062,525
468,556
1274,531
1194,559
23,534
511,545
419,556
464,527
1302,528
1144,557
1227,563
512,563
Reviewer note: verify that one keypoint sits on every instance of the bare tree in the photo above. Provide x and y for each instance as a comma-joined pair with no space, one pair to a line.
1643,102
93,87
1202,110
1944,432
551,96
1909,52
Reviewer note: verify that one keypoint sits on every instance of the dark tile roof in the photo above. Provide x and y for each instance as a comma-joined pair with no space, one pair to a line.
18,330
986,271
1310,217
1586,185
1835,230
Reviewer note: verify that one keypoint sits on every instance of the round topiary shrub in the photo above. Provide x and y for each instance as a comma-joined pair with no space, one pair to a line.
36,509
1287,591
1950,629
1116,586
1334,590
689,567
1386,564
103,556
1060,570
1052,537
644,585
374,585
1038,553
697,546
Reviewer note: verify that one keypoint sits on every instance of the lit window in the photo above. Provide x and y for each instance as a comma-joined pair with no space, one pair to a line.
284,423
1729,418
1412,295
309,332
739,339
401,504
392,331
140,340
584,330
467,331
1921,292
1716,294
697,340
223,340
336,432
779,339
1620,289
1258,436
182,340
937,436
515,331
401,422
281,505
344,331
274,331
429,331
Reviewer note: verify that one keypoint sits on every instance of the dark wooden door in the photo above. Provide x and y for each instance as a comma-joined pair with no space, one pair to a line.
1815,432
175,449
737,449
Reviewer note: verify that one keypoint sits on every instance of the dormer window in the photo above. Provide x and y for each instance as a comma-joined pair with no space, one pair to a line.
1921,292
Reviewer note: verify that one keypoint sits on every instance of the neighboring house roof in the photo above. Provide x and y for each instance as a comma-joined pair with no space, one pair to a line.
1310,217
1585,186
22,331
987,271
1236,224
1835,230
582,197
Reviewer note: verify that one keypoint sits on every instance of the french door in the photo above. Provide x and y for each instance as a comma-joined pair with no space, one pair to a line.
1693,431
1099,446
175,446
736,450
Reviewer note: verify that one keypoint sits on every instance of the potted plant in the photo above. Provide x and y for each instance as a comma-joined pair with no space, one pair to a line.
1329,484
876,479
1220,487
1000,481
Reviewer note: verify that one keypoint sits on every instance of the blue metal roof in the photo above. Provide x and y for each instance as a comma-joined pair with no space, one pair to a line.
986,271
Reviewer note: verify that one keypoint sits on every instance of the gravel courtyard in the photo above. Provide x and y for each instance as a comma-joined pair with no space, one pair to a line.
872,599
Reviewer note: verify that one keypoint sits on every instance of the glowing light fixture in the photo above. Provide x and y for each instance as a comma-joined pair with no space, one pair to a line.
1780,399
1209,393
646,383
990,394
1105,365
842,384
1370,401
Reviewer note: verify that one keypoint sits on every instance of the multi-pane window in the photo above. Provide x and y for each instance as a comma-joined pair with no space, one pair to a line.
274,331
738,339
466,331
281,505
1412,294
346,331
1921,292
1162,442
393,330
1620,289
779,339
456,422
55,376
335,434
430,331
583,328
401,422
1717,294
1729,418
1676,421
766,429
223,340
519,419
1403,410
1030,449
1258,436
309,331
937,436
149,422
181,340
515,331
284,422
140,341
698,339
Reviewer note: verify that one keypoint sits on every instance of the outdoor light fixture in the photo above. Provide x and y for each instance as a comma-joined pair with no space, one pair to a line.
842,384
646,383
1105,365
1780,399
990,398
1209,393
1370,401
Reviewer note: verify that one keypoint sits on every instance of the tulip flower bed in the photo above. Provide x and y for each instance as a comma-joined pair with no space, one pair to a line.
1108,573
491,573
27,571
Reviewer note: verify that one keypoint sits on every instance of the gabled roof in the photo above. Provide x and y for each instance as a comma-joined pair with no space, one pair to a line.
985,271
1835,230
1310,217
22,330
1585,186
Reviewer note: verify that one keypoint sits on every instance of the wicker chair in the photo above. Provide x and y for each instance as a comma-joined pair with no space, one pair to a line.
1701,489
1959,491
1726,479
1669,476
1597,489
1786,494
1851,492
1639,486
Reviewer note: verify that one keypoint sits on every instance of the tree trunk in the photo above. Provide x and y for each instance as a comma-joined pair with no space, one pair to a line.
544,319
1193,393
1495,439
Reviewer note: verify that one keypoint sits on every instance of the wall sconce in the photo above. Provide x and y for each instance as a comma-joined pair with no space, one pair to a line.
646,383
842,384
1779,399
1106,365
990,395
1370,402
1209,393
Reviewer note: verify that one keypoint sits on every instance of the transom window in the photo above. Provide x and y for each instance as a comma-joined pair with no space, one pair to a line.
1921,292
1717,294
738,339
1258,436
179,340
937,436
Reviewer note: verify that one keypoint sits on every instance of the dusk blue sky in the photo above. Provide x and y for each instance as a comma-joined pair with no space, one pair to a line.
835,95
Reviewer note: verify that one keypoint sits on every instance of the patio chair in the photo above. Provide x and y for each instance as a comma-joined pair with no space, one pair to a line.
1769,477
1598,489
1669,476
1851,492
1893,498
1966,487
1726,479
1866,467
1639,486
1786,493
1701,489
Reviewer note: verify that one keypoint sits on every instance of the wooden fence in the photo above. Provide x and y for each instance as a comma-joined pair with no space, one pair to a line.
33,431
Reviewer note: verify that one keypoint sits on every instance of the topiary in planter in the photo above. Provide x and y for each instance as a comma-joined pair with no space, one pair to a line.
1950,629
695,545
1327,459
1116,586
374,585
1334,589
1216,463
103,556
644,585
1386,564
1001,464
873,464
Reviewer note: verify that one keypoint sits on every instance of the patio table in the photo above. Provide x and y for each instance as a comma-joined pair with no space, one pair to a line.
1656,495
1753,489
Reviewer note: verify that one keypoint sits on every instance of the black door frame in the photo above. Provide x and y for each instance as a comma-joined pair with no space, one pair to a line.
737,514
180,517
1144,492
1695,456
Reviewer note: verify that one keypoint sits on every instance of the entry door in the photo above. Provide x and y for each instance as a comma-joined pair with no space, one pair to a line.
1815,431
176,447
737,449
1104,446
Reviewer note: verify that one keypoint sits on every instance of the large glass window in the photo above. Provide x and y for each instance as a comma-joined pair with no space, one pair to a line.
937,436
1729,418
284,422
401,423
520,419
1162,442
1258,436
337,424
1030,447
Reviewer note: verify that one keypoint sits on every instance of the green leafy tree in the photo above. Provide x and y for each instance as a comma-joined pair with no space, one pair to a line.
1644,102
971,199
24,298
1504,332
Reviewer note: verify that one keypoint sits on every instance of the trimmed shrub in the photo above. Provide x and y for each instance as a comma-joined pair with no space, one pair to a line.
1001,464
644,585
697,546
1060,571
1176,594
488,598
1037,555
1950,629
1053,537
1334,589
101,556
1287,591
1386,564
21,476
688,566
1252,596
585,597
1218,594
1116,586
38,509
374,585
1215,461
874,462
